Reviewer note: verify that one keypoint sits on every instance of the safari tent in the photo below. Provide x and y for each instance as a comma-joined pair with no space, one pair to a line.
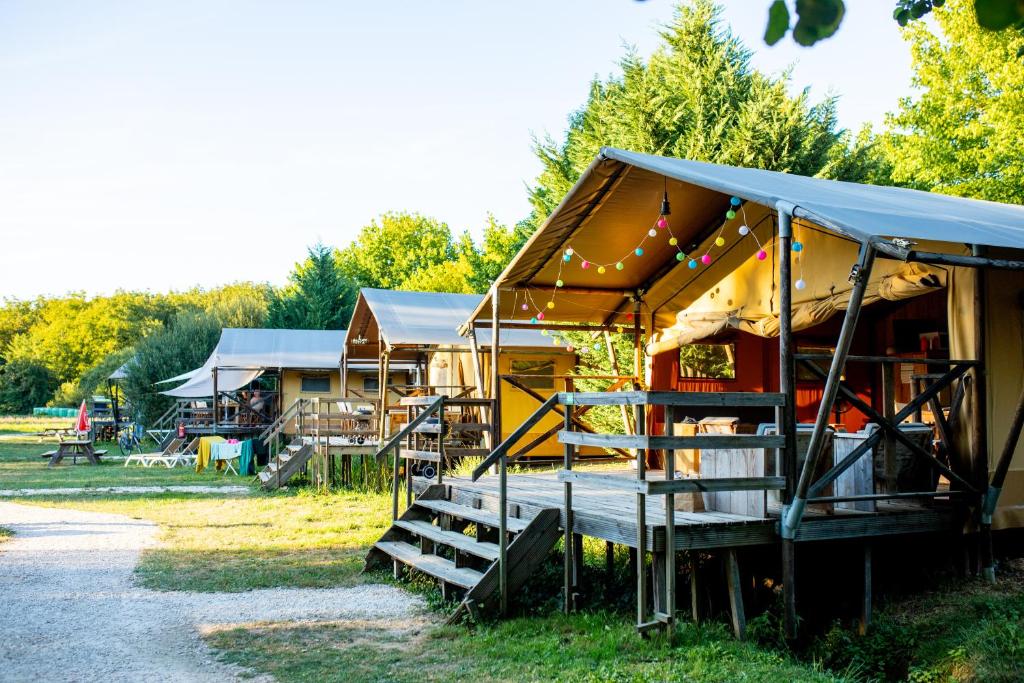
847,359
420,329
256,375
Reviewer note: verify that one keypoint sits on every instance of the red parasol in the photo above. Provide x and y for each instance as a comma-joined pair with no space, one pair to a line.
83,419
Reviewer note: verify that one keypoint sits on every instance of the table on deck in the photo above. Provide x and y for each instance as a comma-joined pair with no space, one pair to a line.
74,448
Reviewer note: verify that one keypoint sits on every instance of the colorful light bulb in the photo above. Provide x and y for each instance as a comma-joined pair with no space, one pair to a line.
652,233
569,251
534,320
680,256
720,242
566,257
706,259
673,241
638,251
692,264
800,284
551,304
619,266
735,201
559,283
540,316
762,255
730,214
585,265
525,307
798,246
662,223
600,270
744,230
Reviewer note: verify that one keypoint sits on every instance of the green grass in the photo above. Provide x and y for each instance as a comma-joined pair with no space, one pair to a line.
965,631
21,467
31,424
5,534
217,543
584,647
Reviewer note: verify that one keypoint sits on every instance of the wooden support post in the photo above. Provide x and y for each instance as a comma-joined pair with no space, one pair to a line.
785,416
216,401
865,607
570,546
609,567
735,586
889,411
641,523
670,528
979,428
694,587
503,461
478,377
996,486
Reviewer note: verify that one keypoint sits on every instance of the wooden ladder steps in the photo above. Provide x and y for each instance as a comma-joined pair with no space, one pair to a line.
434,565
452,539
484,517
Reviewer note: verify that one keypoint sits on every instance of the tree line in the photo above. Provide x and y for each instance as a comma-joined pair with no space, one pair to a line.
697,96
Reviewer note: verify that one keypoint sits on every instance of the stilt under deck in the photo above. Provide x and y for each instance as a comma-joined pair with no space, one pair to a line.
609,514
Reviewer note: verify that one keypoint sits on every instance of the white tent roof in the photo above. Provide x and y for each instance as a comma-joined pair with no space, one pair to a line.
861,211
433,319
242,355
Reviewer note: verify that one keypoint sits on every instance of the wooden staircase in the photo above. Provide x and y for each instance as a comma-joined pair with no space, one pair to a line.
458,546
285,465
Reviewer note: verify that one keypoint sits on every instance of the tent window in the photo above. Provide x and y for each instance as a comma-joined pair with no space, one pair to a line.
707,361
315,384
540,373
371,384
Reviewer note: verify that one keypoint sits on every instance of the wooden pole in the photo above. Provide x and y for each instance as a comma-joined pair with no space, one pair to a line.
785,416
478,378
216,401
670,528
503,461
889,411
569,582
641,523
979,428
996,486
638,349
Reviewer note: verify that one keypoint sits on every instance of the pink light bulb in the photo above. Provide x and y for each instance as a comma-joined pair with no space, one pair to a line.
705,259
662,223
585,265
762,255
540,316
525,307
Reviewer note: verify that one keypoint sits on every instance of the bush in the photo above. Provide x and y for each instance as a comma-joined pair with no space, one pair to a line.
25,384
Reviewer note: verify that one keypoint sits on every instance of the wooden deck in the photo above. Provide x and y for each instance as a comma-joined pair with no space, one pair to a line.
610,514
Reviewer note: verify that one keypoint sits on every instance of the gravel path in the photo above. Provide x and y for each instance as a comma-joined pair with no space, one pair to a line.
71,612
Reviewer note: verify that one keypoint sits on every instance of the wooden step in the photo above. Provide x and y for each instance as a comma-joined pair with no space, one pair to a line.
453,539
485,517
433,565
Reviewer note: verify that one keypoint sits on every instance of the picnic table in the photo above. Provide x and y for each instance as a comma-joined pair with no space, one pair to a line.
74,448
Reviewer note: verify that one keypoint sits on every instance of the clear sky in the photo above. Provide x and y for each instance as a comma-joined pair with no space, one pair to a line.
150,145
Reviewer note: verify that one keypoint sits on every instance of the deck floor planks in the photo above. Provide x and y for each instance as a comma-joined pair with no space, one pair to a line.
610,514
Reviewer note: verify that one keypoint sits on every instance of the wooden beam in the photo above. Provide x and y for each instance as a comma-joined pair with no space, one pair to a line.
541,325
731,399
705,441
665,487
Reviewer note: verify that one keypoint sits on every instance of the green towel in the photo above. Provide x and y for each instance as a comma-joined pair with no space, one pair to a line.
246,464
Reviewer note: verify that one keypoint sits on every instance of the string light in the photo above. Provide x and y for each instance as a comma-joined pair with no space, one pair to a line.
735,208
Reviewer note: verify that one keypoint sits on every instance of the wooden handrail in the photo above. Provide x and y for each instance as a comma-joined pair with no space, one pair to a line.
515,436
395,440
732,399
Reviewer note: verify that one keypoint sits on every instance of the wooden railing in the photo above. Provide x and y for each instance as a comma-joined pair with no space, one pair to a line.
641,487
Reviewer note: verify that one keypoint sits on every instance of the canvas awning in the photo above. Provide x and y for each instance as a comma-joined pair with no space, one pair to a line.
406,322
609,210
242,355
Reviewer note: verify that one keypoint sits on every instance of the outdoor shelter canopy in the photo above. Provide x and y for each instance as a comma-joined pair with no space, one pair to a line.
609,210
420,320
242,355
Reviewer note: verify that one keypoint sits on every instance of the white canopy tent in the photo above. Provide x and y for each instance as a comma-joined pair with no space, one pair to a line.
242,355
